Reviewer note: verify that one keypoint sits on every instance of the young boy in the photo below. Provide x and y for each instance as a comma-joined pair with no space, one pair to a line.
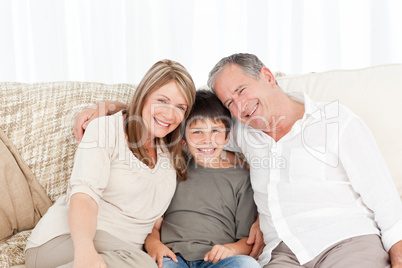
209,218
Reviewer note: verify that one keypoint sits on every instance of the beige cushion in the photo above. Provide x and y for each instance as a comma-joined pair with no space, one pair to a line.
23,201
374,93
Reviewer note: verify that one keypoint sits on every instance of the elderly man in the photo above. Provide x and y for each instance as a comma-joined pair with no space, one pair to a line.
324,194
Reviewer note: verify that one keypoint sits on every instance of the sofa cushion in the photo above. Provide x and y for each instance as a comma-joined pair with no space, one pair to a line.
23,201
373,93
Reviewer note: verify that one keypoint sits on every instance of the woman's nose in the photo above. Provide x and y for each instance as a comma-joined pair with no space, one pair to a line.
168,113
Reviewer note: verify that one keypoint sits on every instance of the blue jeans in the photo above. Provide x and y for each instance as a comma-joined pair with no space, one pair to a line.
241,261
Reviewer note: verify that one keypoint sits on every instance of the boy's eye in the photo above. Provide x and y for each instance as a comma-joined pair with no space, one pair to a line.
215,131
197,132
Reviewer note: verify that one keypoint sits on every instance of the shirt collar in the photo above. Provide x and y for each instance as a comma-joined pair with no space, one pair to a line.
310,109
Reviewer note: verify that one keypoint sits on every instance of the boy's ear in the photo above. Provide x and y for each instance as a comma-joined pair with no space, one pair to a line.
227,136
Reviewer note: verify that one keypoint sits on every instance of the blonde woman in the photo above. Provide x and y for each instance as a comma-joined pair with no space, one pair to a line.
123,179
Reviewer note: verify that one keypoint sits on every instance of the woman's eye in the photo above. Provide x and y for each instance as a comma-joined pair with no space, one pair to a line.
182,108
162,101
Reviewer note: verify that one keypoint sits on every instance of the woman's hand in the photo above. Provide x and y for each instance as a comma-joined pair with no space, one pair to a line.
158,251
155,248
256,239
88,258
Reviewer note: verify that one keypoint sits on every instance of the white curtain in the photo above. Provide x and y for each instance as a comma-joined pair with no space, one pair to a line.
116,41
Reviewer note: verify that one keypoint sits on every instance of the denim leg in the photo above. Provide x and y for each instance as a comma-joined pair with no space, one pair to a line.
242,261
169,263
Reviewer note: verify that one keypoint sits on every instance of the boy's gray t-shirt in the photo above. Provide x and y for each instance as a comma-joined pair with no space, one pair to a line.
213,206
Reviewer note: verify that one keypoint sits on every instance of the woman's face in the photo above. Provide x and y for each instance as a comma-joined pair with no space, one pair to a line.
164,110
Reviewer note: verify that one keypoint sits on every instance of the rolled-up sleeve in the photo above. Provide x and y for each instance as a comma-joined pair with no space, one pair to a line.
92,162
371,178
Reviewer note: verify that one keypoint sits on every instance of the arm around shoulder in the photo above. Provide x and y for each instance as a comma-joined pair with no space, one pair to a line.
99,109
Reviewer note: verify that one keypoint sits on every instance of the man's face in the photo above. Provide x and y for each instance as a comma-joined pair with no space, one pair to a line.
251,101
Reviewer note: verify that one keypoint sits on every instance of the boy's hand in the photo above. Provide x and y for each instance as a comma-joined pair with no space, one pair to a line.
219,252
256,239
158,252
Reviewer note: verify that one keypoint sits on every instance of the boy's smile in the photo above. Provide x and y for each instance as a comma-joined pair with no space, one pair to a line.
205,140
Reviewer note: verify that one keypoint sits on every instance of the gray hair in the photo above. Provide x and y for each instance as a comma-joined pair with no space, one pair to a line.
250,64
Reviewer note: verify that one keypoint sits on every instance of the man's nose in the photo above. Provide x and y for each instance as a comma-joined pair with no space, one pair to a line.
240,104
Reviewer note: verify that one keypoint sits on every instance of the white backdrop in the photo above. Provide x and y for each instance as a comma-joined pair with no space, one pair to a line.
115,41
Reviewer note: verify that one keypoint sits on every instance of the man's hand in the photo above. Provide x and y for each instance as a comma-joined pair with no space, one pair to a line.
97,110
219,252
157,252
87,115
256,239
395,254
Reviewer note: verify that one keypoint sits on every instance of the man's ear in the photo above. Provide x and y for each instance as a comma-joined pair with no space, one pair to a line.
266,73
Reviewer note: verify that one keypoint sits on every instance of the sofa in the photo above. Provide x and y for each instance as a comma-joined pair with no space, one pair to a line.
38,119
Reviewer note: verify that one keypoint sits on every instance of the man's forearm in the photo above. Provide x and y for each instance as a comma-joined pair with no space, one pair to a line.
114,107
395,254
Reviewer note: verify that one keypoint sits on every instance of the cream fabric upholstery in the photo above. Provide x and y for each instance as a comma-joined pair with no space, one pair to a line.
375,94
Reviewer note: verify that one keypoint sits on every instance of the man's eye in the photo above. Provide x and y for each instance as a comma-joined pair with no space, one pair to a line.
229,103
242,90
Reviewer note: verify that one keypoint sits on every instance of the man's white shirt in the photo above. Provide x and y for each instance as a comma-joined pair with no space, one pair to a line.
323,182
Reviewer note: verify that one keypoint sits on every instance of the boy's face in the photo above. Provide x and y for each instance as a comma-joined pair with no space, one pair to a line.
205,140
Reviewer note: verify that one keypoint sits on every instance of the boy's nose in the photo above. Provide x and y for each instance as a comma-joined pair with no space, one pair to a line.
207,137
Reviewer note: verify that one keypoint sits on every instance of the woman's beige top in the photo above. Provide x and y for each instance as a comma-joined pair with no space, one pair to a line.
130,195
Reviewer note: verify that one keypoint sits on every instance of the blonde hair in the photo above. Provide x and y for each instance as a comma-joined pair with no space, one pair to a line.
160,74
